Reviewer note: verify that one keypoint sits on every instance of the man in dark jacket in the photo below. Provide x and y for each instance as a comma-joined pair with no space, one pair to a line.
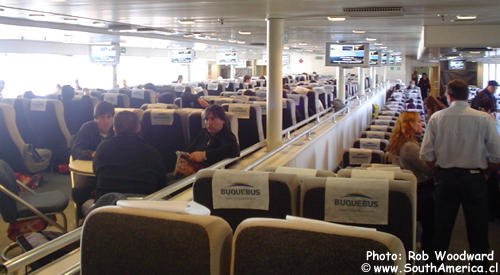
485,100
125,163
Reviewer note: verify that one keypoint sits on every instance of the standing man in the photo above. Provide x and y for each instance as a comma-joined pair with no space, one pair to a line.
485,100
462,144
425,85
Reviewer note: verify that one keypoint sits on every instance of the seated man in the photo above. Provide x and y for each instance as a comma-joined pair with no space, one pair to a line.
215,142
125,163
84,145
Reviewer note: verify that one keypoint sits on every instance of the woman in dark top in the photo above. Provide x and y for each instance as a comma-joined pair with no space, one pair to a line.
215,142
425,85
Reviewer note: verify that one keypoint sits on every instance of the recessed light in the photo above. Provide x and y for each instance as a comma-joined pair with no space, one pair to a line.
69,19
36,14
378,44
241,42
371,39
302,44
245,33
231,41
188,35
186,21
336,19
383,47
358,31
475,52
466,17
286,48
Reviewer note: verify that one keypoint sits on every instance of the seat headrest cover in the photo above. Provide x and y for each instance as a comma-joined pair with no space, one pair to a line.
372,174
240,189
354,200
185,207
111,98
297,171
359,156
162,116
369,143
240,110
137,94
39,105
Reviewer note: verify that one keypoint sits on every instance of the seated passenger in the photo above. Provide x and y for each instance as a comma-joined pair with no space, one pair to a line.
215,142
404,150
125,163
191,100
84,145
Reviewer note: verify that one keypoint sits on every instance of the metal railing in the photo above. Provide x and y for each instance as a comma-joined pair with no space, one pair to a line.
19,263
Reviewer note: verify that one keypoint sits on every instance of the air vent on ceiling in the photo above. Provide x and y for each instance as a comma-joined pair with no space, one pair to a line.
374,11
119,27
258,44
146,29
475,49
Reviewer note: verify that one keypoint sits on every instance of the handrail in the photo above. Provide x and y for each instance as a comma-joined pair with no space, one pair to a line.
21,261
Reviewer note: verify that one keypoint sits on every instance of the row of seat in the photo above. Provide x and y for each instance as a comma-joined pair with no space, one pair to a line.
268,242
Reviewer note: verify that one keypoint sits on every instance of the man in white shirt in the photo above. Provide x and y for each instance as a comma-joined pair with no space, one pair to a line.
462,144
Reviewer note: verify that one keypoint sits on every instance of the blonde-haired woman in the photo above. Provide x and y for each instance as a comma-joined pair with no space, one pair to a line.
404,149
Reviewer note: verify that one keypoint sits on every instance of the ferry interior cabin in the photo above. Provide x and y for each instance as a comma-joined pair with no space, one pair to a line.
244,137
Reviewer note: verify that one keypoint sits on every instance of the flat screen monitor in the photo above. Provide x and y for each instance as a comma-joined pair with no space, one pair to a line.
347,55
105,54
392,60
398,59
456,65
227,58
183,56
374,58
384,58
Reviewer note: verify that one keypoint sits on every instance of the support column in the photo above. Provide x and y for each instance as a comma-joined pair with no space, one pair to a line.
115,78
340,84
373,77
275,29
361,81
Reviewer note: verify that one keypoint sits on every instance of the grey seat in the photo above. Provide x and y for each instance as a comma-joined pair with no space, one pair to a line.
357,156
369,143
303,246
250,130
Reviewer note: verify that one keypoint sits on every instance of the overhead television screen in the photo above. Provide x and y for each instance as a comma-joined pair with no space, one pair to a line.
398,59
183,56
392,60
348,55
456,65
227,58
374,58
383,59
105,54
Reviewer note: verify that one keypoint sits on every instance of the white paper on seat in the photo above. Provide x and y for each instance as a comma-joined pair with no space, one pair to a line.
157,106
389,112
39,105
240,110
385,117
369,143
185,207
137,94
179,88
375,134
162,116
241,190
111,98
372,174
379,128
354,200
385,168
242,98
212,86
297,171
382,122
359,156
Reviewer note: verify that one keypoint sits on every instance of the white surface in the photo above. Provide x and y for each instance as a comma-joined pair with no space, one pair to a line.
186,207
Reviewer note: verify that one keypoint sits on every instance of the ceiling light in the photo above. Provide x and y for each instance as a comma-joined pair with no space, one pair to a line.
358,31
475,52
336,19
188,35
69,19
244,33
36,14
466,17
302,44
241,42
383,47
378,44
186,21
371,39
286,48
231,41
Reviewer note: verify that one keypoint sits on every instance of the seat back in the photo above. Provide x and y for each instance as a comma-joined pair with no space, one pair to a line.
371,143
48,123
22,107
77,112
357,156
215,88
136,111
158,106
381,122
154,242
283,191
12,144
301,103
381,128
401,219
312,99
163,130
303,246
8,206
117,99
139,97
375,134
250,130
